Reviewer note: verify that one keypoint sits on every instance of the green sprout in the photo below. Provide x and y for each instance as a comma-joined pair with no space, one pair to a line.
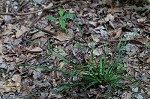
63,16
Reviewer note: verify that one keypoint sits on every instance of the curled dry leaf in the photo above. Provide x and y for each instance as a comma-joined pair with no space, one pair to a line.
35,50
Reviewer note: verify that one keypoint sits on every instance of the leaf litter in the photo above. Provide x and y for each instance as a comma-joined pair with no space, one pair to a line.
98,23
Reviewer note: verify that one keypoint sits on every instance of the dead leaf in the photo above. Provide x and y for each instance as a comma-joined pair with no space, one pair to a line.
2,87
62,37
21,31
135,42
35,50
38,35
36,74
143,19
93,23
126,95
115,33
148,60
61,65
1,60
17,79
9,86
109,17
10,26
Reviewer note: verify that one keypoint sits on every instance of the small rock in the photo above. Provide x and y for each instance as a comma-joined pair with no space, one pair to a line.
126,95
38,1
97,52
93,23
8,18
15,8
135,89
8,2
3,66
139,96
36,74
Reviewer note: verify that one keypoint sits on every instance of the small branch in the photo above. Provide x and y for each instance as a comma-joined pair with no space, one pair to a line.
46,31
20,14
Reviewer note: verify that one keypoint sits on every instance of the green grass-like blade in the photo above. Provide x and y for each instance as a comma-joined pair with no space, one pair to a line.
61,57
79,46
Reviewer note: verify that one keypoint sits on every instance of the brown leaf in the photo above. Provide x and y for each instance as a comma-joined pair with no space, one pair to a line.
1,60
35,50
115,33
38,35
135,42
21,31
63,37
148,60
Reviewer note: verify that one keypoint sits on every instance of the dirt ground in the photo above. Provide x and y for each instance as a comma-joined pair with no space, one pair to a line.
25,34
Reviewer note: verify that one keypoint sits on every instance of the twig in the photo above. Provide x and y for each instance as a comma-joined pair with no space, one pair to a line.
23,5
20,14
46,31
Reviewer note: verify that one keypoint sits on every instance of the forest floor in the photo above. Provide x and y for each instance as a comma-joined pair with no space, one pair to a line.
26,35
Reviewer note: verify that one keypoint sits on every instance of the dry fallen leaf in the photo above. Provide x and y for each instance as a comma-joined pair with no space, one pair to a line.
2,87
62,37
93,23
109,17
62,65
17,79
21,31
126,95
9,86
143,19
38,35
35,50
148,60
115,33
1,60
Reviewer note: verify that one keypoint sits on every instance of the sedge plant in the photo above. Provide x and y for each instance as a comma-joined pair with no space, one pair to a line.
106,72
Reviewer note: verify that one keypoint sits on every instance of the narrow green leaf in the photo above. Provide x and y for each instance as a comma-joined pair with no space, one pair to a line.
67,16
51,18
61,57
34,31
29,40
50,48
61,12
79,46
62,24
92,53
101,67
